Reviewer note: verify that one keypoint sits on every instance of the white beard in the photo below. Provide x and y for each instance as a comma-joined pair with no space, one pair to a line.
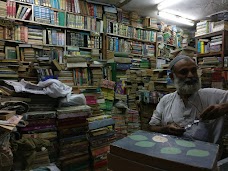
184,88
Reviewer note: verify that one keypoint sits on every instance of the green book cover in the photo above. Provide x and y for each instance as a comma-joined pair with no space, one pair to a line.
10,53
61,16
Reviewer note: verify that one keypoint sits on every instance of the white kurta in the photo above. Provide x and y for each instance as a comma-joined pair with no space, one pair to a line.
171,108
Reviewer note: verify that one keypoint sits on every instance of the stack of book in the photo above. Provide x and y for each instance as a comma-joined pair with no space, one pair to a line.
35,35
217,78
100,135
132,121
3,8
206,77
208,62
66,77
42,103
92,95
123,16
107,88
203,27
72,129
118,115
41,124
216,44
8,69
97,75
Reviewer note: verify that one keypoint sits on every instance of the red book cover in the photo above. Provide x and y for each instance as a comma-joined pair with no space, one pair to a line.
14,9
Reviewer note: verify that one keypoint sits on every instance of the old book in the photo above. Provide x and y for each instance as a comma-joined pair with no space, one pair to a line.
56,64
6,114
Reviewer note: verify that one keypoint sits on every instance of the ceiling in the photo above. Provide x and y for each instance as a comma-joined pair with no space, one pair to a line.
192,9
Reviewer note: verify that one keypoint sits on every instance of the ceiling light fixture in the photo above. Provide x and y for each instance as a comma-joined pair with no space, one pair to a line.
167,3
176,18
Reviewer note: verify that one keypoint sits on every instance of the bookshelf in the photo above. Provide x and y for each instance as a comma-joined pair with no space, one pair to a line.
212,49
45,28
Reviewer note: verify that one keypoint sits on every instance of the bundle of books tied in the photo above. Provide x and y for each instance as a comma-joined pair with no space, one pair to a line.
9,119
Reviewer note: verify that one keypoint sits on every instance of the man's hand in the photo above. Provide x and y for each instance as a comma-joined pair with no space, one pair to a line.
175,129
214,111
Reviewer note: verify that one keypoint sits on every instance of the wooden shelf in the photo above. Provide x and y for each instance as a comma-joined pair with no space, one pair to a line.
34,22
140,40
83,15
49,45
209,54
72,28
116,35
130,38
12,41
210,34
87,48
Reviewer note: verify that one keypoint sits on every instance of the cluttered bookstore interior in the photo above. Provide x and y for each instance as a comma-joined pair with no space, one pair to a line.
80,81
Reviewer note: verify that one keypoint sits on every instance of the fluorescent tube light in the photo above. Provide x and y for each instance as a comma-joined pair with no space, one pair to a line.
176,18
167,3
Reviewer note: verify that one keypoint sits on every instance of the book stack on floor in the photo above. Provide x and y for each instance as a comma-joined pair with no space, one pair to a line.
42,103
100,135
42,109
92,95
107,88
8,69
132,120
66,77
73,144
97,75
41,124
41,159
118,114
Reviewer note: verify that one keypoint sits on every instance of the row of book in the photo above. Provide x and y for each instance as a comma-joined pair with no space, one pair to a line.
82,39
214,44
131,32
46,15
133,47
84,22
50,36
75,6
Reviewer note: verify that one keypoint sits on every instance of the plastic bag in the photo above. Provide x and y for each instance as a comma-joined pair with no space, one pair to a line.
73,100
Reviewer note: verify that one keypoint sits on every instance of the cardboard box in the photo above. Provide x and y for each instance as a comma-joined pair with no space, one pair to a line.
166,152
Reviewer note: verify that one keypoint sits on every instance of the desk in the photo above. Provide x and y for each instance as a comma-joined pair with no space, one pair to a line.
155,152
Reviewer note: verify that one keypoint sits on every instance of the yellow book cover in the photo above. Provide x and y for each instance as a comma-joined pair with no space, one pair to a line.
202,47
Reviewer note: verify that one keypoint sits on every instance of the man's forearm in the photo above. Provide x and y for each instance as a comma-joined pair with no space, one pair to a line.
160,129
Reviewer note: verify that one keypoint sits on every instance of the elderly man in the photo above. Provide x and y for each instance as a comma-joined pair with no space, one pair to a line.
177,112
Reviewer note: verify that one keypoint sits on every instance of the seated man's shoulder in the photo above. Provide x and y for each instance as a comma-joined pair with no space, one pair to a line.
168,97
211,90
